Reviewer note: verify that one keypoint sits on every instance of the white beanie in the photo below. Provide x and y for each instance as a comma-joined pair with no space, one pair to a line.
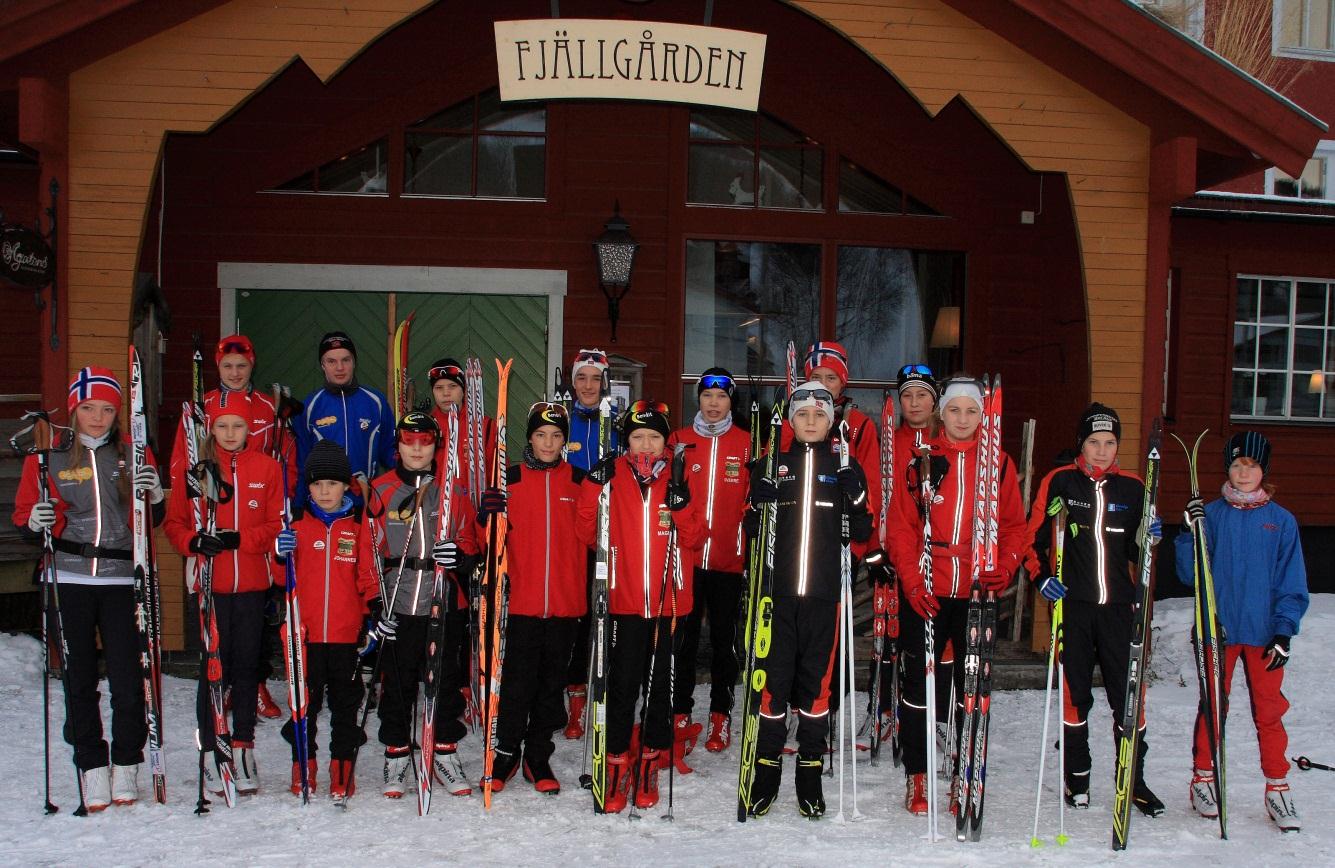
823,401
591,358
962,387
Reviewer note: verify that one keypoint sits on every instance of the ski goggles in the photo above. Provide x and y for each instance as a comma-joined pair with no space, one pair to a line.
642,406
445,372
717,381
235,347
417,438
591,356
916,371
811,395
549,411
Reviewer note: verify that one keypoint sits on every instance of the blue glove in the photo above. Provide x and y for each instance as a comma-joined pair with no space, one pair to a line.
286,543
1052,588
1156,529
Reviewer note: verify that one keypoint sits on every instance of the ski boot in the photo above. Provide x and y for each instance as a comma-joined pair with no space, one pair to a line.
646,778
449,771
686,732
575,718
810,797
341,783
247,771
97,789
765,784
311,766
1279,805
264,704
503,767
125,784
1077,790
1145,800
720,732
398,765
539,773
915,796
1202,794
618,782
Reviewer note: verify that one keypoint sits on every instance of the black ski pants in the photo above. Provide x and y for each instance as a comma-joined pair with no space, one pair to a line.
107,610
718,595
949,624
798,674
640,663
578,671
331,667
533,685
240,620
405,667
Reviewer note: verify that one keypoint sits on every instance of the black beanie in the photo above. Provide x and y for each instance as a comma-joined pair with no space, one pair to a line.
446,369
649,417
1098,418
547,413
336,341
327,460
1247,444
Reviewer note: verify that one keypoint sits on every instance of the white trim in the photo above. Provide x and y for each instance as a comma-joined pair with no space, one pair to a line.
233,276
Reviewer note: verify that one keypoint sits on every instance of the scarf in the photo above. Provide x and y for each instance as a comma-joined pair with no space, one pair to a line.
1245,499
586,412
343,391
93,442
712,429
1096,473
532,463
329,517
646,467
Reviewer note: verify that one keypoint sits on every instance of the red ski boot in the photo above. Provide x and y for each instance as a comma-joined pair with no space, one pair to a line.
646,779
915,799
265,704
575,719
311,766
720,732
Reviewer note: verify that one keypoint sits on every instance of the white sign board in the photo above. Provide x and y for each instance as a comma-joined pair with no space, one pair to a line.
589,58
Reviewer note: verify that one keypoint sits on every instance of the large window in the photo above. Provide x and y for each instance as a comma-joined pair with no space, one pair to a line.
361,171
1283,348
1314,182
1305,28
751,160
478,148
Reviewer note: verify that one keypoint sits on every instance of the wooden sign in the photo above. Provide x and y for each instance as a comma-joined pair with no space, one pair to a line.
25,257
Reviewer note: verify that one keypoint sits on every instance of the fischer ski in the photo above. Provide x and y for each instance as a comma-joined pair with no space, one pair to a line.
475,421
603,571
496,586
400,379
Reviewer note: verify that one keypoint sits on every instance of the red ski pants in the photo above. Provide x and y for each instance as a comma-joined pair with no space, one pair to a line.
1268,707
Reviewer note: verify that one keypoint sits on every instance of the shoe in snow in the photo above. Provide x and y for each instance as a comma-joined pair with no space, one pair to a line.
1202,793
247,772
1145,799
97,789
646,779
450,771
213,776
765,784
618,782
125,784
1278,804
503,767
915,796
575,718
720,732
538,772
810,796
265,706
398,764
686,732
311,766
1077,790
341,782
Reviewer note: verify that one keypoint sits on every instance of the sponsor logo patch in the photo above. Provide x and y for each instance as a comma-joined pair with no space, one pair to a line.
732,469
364,424
253,504
664,518
574,447
318,545
76,474
325,421
346,546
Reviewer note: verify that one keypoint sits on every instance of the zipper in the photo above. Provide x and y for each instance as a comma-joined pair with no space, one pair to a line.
344,398
328,543
97,506
1100,553
644,526
236,526
960,491
805,535
709,501
547,549
421,553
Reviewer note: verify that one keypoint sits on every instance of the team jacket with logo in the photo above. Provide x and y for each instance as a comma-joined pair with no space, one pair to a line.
255,511
640,521
260,436
89,511
716,471
358,419
547,560
462,454
864,446
1100,549
952,521
582,447
409,533
335,575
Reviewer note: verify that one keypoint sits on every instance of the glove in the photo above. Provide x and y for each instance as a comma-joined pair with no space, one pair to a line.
995,581
446,555
1052,589
1195,513
602,472
286,543
491,503
763,490
230,539
926,605
878,568
853,483
146,480
1156,529
42,517
1277,652
678,496
207,545
751,523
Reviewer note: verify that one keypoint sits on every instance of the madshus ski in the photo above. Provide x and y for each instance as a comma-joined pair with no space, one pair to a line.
496,590
885,612
1133,709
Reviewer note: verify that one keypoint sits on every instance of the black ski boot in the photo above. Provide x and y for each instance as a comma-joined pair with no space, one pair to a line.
810,797
765,784
1145,799
1077,791
503,767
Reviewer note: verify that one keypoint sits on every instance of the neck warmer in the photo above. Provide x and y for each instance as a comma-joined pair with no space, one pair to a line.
330,517
646,467
1096,473
712,429
349,389
1245,499
532,463
93,442
586,412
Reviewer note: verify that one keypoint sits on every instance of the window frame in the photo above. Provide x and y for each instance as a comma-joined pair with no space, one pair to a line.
1291,326
1301,52
474,135
1325,150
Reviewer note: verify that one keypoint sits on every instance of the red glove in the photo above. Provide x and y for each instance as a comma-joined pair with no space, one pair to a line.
995,581
926,605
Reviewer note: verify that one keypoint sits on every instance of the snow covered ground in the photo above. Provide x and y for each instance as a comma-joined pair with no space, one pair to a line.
526,828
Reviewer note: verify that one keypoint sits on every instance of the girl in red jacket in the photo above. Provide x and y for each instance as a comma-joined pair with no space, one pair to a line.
547,599
647,593
336,577
247,525
952,460
716,459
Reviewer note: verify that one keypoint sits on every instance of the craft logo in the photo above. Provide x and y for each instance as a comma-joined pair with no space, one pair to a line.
325,421
346,546
76,474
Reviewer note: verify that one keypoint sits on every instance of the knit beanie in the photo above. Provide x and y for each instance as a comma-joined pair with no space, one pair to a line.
94,384
1098,418
716,378
812,394
234,345
547,413
828,354
336,341
644,414
327,460
962,387
917,375
446,369
1247,444
229,403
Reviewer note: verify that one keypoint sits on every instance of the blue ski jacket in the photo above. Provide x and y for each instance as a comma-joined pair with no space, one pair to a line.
360,420
582,447
1260,580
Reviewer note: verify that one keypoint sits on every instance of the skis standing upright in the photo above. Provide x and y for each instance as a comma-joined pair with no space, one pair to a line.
1057,510
436,626
794,378
475,477
603,570
293,634
562,395
1142,609
496,587
885,606
147,599
1208,639
926,496
400,380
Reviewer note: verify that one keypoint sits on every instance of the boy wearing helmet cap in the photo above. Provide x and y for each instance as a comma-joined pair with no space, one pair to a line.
1260,584
813,493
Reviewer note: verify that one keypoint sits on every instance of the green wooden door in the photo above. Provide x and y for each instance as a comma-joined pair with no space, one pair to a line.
286,325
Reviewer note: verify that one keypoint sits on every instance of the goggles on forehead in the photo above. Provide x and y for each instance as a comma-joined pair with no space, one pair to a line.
718,381
417,438
915,370
812,394
643,406
445,371
235,347
599,358
550,411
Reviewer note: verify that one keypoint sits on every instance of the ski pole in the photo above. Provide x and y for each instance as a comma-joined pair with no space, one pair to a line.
1307,765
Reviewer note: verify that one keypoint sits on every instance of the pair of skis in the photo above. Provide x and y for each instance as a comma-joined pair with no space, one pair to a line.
885,611
1056,640
496,581
604,568
293,635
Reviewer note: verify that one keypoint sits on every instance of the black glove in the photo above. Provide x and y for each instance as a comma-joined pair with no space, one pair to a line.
751,523
1194,514
207,545
230,539
491,503
853,483
763,490
602,472
940,470
878,567
678,496
1277,652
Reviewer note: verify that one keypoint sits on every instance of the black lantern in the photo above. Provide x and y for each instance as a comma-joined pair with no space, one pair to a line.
615,250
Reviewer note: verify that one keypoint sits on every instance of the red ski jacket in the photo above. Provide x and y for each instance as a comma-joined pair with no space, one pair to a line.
463,477
864,444
255,511
716,471
546,557
952,521
335,576
640,521
261,436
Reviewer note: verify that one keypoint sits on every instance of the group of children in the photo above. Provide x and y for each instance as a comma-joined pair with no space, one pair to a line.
685,506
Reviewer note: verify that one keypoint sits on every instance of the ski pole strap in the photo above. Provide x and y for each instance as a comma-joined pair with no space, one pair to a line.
90,551
410,563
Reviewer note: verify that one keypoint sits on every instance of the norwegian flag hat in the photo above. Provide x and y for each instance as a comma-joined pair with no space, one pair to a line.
828,354
94,384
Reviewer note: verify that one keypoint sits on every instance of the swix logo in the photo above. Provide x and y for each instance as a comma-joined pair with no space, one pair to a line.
1079,503
254,485
325,421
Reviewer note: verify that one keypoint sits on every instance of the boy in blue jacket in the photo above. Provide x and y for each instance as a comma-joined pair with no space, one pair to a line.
1260,584
354,416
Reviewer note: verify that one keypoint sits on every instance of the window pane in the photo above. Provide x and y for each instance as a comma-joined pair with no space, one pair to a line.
790,178
304,184
1330,350
438,165
1243,383
1244,346
887,300
515,117
862,192
1311,304
774,133
1303,403
745,301
1274,348
361,171
724,125
1247,299
456,117
1318,24
1275,301
721,175
1291,23
1285,185
1312,184
511,166
1270,392
1307,349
